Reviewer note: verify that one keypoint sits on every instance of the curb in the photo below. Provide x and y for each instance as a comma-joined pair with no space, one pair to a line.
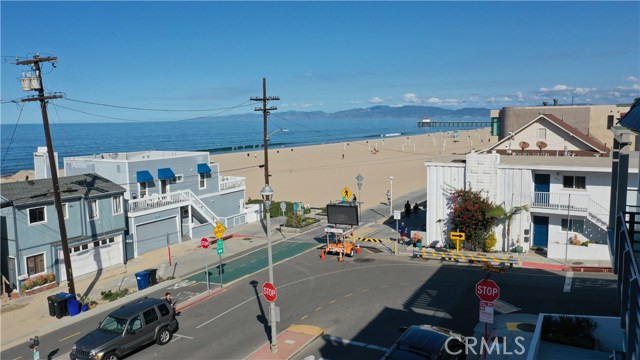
304,334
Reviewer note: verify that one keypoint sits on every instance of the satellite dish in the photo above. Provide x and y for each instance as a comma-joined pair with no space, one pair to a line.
541,145
523,145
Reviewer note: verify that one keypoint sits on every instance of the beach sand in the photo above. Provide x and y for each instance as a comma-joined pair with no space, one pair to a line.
316,175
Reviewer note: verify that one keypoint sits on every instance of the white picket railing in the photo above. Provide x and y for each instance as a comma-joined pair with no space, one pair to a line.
231,182
173,199
577,202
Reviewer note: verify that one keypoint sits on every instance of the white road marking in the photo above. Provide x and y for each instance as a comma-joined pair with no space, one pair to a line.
340,340
567,281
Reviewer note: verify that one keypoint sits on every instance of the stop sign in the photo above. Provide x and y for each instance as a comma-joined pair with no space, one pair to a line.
269,292
204,242
488,290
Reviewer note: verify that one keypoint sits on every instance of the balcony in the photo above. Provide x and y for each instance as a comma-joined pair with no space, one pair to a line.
560,201
231,182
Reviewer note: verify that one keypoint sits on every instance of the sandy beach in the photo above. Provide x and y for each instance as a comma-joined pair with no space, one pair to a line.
316,175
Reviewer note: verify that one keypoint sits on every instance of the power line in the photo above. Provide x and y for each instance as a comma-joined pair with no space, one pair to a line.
150,109
12,135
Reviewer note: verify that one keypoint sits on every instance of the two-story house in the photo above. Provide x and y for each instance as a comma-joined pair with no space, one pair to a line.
94,214
170,196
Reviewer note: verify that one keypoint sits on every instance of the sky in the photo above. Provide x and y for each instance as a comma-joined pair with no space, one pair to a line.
208,58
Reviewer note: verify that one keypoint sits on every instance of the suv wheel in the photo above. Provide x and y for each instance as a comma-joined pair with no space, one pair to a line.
164,336
111,356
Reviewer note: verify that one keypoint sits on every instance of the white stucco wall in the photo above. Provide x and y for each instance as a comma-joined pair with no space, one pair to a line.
442,178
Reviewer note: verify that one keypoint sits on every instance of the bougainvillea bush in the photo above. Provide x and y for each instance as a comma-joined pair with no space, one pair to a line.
471,215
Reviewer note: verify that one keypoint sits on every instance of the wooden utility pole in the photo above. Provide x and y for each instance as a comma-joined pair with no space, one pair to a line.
38,85
265,113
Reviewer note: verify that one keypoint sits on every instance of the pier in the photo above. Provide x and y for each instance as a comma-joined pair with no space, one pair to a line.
456,123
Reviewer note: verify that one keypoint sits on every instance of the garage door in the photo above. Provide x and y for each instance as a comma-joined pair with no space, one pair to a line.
90,257
154,235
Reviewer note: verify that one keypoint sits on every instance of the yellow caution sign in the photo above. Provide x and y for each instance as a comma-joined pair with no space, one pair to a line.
346,193
219,230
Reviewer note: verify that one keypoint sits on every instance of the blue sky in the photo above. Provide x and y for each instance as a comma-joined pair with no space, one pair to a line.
318,56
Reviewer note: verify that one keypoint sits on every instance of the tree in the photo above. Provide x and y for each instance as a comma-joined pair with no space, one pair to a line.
506,216
472,214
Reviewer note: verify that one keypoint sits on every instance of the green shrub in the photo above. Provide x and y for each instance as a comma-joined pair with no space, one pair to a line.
298,221
114,295
490,243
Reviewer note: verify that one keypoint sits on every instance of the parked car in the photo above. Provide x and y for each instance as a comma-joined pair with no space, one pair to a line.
427,342
127,329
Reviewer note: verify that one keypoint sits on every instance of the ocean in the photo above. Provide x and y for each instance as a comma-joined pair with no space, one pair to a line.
19,142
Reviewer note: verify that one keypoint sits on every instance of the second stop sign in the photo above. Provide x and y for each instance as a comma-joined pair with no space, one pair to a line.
269,292
488,290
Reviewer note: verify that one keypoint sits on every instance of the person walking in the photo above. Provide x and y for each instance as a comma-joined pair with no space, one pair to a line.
407,209
402,229
169,300
389,197
416,209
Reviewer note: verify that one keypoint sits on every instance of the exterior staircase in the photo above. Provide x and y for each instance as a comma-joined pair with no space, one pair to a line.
172,200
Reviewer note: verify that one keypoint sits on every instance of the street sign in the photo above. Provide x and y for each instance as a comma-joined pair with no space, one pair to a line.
487,290
397,214
204,242
218,231
486,312
283,207
359,178
456,235
346,193
220,246
269,292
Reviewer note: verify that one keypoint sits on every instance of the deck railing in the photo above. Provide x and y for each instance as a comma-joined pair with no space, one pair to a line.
560,201
231,182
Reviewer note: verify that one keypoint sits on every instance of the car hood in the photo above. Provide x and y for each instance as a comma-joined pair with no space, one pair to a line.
96,339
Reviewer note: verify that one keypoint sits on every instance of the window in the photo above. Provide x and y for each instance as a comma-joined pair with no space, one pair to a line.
574,182
135,323
203,181
35,264
93,209
117,204
65,211
575,225
164,186
542,134
37,215
164,309
143,189
178,179
150,316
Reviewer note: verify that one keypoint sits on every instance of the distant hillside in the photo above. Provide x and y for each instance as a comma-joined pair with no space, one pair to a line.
374,112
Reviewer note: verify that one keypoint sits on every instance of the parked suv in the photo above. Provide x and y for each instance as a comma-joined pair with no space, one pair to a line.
426,342
127,329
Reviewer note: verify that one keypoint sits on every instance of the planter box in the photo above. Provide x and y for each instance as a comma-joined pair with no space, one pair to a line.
41,288
291,230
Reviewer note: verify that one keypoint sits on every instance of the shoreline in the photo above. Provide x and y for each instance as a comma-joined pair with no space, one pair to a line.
316,174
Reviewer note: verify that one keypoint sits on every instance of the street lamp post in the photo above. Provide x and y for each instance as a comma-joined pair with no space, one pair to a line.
267,197
391,196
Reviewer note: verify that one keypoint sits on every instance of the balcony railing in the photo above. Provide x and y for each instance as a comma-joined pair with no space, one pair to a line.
626,251
231,182
158,201
560,201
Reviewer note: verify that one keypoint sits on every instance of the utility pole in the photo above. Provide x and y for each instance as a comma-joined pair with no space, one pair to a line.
265,112
35,83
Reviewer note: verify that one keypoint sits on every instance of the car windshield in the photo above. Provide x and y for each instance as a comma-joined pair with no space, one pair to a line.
113,324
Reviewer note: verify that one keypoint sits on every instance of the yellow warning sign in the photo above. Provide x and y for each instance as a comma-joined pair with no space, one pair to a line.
346,192
219,230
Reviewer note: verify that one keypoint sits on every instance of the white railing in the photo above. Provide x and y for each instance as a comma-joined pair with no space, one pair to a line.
231,182
560,201
598,212
202,208
178,198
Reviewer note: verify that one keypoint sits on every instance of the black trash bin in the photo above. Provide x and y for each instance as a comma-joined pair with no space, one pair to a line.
153,280
60,305
142,278
51,302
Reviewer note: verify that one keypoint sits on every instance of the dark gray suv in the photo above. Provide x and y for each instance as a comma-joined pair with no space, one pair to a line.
127,329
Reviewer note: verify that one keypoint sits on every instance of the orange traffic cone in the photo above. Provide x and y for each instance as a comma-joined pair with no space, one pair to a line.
358,248
340,259
322,255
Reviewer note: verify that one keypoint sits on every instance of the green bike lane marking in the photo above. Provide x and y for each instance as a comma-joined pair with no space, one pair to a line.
249,263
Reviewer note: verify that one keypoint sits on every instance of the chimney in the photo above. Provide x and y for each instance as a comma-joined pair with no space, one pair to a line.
555,102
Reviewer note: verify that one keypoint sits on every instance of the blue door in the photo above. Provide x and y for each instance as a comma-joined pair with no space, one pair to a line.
541,188
540,231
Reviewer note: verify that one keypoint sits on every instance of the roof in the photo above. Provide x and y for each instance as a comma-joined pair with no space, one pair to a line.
135,307
593,143
631,120
41,190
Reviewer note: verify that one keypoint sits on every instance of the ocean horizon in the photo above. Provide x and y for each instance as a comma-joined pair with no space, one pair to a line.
19,142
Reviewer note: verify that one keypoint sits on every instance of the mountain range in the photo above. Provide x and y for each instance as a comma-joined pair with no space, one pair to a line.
375,112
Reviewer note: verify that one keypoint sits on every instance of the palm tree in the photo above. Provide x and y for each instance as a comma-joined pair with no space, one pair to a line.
500,213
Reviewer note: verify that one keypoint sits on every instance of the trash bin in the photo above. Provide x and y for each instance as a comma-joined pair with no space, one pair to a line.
73,307
142,278
51,302
84,308
153,280
60,304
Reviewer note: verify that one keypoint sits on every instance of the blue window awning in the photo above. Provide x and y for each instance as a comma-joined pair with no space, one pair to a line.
144,176
166,173
204,169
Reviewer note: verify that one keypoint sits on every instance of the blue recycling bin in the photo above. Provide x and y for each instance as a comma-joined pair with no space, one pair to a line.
60,304
142,278
73,306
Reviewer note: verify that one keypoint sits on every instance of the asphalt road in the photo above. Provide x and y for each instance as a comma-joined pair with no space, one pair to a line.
360,303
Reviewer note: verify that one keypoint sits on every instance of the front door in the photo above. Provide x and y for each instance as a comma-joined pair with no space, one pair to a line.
541,187
540,231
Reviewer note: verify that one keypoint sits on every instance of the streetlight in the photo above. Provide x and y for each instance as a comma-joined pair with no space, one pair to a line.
267,197
391,196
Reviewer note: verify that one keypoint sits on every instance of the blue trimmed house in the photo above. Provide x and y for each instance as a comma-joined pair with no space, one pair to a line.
171,196
94,214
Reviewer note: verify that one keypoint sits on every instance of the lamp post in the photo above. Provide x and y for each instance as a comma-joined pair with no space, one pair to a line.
267,197
391,196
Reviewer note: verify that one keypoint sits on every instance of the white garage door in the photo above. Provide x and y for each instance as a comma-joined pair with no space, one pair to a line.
90,257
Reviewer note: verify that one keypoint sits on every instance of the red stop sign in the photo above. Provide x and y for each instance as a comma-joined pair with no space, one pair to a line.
488,290
269,292
204,242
